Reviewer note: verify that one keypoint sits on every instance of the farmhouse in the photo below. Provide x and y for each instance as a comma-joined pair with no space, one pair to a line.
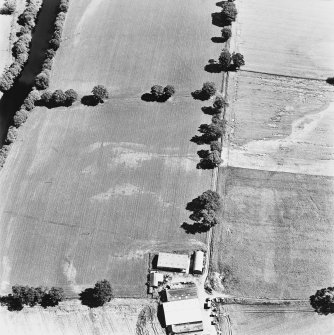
173,262
183,316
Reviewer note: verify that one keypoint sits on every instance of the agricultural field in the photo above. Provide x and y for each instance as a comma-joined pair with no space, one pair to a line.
287,37
276,320
276,237
91,191
119,317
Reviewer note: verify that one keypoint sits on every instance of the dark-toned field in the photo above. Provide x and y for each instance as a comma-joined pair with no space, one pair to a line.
88,192
276,238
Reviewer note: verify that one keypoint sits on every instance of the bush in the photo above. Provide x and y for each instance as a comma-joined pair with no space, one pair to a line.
238,60
97,296
20,117
71,96
50,53
100,92
225,59
169,91
47,64
219,103
59,98
42,80
216,146
209,88
11,135
8,7
330,80
54,43
323,301
226,33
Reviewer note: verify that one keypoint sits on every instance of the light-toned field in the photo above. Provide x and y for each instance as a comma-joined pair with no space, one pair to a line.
90,191
278,320
287,37
120,317
276,237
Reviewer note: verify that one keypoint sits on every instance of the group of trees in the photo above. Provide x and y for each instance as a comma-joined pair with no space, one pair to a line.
159,93
205,210
228,61
43,78
208,90
32,296
8,7
21,46
58,98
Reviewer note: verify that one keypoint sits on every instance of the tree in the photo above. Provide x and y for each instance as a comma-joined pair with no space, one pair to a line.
323,301
205,208
330,80
157,91
42,80
100,92
212,131
71,96
53,297
229,11
8,7
46,97
97,296
209,88
103,291
11,135
20,117
169,90
225,59
226,33
59,98
238,60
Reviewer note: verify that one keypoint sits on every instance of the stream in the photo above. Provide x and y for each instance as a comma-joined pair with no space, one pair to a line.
13,99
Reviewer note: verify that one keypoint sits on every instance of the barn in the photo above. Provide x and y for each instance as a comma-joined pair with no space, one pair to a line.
173,262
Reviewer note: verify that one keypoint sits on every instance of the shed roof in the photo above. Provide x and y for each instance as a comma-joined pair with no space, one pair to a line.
182,311
173,261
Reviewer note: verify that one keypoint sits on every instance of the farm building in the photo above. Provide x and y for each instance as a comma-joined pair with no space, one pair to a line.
198,262
183,316
173,262
189,292
156,278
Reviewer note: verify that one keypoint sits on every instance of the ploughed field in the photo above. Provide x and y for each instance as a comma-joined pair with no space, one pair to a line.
89,192
276,236
276,320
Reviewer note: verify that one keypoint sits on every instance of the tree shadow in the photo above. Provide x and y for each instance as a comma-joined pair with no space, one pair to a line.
194,228
200,95
219,20
13,304
205,164
87,298
217,39
330,80
201,139
209,110
148,97
89,100
213,68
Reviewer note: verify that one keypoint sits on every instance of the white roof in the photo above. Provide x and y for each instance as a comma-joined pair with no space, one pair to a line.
174,261
182,311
